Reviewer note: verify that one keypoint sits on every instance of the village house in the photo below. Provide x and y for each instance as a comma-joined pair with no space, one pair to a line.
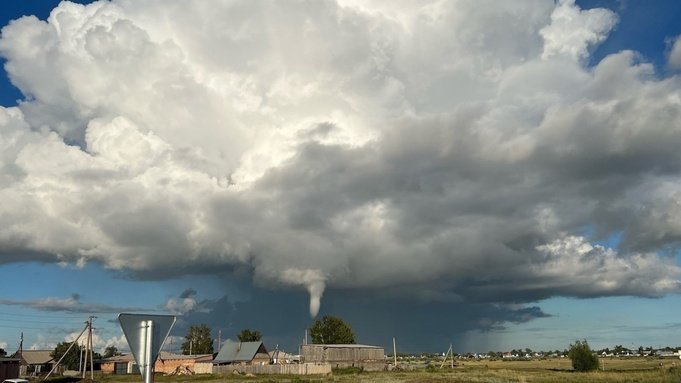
242,353
34,362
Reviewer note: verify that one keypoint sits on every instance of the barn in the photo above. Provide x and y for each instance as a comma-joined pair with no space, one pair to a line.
371,358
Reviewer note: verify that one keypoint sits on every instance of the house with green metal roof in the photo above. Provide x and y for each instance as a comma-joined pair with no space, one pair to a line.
242,353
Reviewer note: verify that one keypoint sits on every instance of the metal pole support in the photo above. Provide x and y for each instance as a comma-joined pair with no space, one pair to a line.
149,364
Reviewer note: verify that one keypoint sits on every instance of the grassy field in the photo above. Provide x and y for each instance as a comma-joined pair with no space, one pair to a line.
628,370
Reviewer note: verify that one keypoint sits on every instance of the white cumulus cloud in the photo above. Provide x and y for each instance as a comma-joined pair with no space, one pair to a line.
445,148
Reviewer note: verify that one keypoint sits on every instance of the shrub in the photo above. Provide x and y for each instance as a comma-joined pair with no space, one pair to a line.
581,356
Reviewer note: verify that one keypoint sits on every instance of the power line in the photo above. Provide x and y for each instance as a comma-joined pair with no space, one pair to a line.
71,316
32,321
31,328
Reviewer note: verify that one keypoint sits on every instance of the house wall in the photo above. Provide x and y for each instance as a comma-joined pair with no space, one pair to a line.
169,365
164,366
108,367
261,358
203,368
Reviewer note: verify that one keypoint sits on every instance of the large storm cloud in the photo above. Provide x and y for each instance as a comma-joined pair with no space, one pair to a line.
458,151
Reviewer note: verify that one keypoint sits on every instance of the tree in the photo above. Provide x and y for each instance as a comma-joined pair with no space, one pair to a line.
72,359
198,341
331,330
3,352
110,351
581,356
248,335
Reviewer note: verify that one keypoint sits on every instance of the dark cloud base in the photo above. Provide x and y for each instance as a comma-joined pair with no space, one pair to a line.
282,317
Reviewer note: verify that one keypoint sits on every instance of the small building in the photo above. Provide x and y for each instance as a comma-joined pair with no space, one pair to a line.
371,358
242,353
9,368
119,365
35,362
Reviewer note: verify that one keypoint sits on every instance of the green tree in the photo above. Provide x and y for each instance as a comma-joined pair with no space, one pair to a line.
331,330
198,341
248,335
581,356
72,359
110,351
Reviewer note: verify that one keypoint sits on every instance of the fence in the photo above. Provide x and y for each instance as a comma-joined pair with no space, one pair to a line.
278,369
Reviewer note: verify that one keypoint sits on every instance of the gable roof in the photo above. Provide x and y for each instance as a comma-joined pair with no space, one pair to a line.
36,356
239,351
118,358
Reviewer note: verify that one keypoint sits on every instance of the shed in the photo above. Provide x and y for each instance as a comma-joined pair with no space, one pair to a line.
119,364
344,355
242,353
9,368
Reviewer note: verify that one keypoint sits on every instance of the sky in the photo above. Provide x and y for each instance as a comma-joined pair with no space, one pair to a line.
495,175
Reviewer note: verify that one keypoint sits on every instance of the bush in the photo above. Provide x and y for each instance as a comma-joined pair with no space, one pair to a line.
581,356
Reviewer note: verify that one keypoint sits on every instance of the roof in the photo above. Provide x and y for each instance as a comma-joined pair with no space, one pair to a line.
342,345
36,356
239,351
164,355
118,358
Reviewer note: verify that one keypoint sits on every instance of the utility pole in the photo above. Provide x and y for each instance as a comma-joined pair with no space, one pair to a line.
92,363
450,352
82,348
219,339
21,346
394,353
80,362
